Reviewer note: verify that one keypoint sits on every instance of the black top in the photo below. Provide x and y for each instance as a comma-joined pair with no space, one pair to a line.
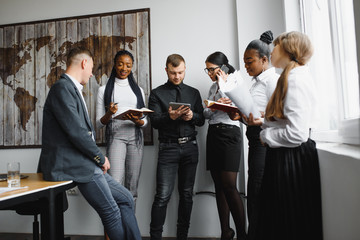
159,102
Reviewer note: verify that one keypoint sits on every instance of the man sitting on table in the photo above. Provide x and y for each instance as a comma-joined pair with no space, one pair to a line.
69,151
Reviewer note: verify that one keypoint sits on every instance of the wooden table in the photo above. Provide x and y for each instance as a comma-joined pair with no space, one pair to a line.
52,219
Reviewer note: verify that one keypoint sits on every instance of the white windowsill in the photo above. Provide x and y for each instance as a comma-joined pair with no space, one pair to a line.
342,149
348,134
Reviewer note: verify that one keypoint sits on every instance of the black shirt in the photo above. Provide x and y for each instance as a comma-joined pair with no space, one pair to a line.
159,102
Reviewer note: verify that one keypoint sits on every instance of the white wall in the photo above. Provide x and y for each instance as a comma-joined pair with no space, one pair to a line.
252,20
357,31
192,28
255,18
340,191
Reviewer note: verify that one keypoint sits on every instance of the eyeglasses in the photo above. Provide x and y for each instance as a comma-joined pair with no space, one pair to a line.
210,70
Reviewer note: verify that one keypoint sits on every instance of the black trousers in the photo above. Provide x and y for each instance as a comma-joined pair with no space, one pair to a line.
174,159
256,165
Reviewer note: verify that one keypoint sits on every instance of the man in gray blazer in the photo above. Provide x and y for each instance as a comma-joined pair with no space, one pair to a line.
69,151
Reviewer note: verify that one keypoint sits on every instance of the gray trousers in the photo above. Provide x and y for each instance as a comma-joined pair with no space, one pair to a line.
125,155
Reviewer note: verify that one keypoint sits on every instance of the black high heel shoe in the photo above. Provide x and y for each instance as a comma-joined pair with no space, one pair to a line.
229,235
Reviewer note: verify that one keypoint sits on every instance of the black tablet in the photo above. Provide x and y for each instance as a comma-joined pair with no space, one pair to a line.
176,105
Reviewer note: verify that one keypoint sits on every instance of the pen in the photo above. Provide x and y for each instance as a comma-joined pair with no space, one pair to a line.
113,105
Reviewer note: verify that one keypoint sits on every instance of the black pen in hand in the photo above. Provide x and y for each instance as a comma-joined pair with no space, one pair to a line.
107,107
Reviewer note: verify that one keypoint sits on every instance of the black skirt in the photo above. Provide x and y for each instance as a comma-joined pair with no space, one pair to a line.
223,148
290,198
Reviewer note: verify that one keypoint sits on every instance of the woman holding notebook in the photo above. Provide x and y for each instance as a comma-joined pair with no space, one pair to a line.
223,152
124,136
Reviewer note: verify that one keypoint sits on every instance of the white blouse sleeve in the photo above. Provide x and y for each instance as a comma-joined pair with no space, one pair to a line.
145,119
207,111
100,107
297,109
270,87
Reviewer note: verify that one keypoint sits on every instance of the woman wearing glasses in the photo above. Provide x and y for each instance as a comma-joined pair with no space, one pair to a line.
223,152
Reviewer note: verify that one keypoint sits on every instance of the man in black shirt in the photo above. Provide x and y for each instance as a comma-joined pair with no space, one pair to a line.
178,150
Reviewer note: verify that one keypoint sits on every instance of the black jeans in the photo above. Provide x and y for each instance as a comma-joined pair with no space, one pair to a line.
174,158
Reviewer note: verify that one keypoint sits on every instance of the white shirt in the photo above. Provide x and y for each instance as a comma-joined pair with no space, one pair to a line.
123,95
80,87
217,116
263,87
299,109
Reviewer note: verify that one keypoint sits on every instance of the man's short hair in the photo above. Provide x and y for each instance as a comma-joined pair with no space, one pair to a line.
71,56
174,60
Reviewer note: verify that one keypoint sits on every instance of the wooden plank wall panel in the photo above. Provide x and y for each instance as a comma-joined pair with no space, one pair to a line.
20,97
130,38
61,48
40,81
33,57
106,55
106,48
143,56
71,31
50,57
95,47
30,84
9,59
118,33
2,86
83,39
143,63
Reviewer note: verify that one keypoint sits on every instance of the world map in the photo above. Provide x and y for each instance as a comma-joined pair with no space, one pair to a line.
21,55
33,57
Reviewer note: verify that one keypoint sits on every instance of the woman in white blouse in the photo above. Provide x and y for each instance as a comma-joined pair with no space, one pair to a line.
290,195
257,64
124,138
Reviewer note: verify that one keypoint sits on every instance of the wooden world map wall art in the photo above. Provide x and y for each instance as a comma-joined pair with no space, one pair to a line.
33,56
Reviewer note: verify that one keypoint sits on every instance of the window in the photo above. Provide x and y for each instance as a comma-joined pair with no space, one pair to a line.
330,25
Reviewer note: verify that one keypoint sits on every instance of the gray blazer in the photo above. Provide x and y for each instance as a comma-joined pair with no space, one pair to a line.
68,151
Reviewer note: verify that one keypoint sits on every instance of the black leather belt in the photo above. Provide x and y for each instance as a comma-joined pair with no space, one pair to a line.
181,140
222,126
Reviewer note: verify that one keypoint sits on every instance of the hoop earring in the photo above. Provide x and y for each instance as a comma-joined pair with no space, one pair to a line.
263,69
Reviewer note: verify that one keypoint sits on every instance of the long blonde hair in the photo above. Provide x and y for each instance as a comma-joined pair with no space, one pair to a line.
299,48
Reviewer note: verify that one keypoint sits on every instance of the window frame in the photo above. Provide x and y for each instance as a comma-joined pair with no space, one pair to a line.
348,129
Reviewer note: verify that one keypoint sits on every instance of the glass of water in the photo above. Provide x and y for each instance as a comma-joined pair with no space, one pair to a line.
13,174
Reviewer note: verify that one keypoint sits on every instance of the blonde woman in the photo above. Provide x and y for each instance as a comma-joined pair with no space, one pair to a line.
290,194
